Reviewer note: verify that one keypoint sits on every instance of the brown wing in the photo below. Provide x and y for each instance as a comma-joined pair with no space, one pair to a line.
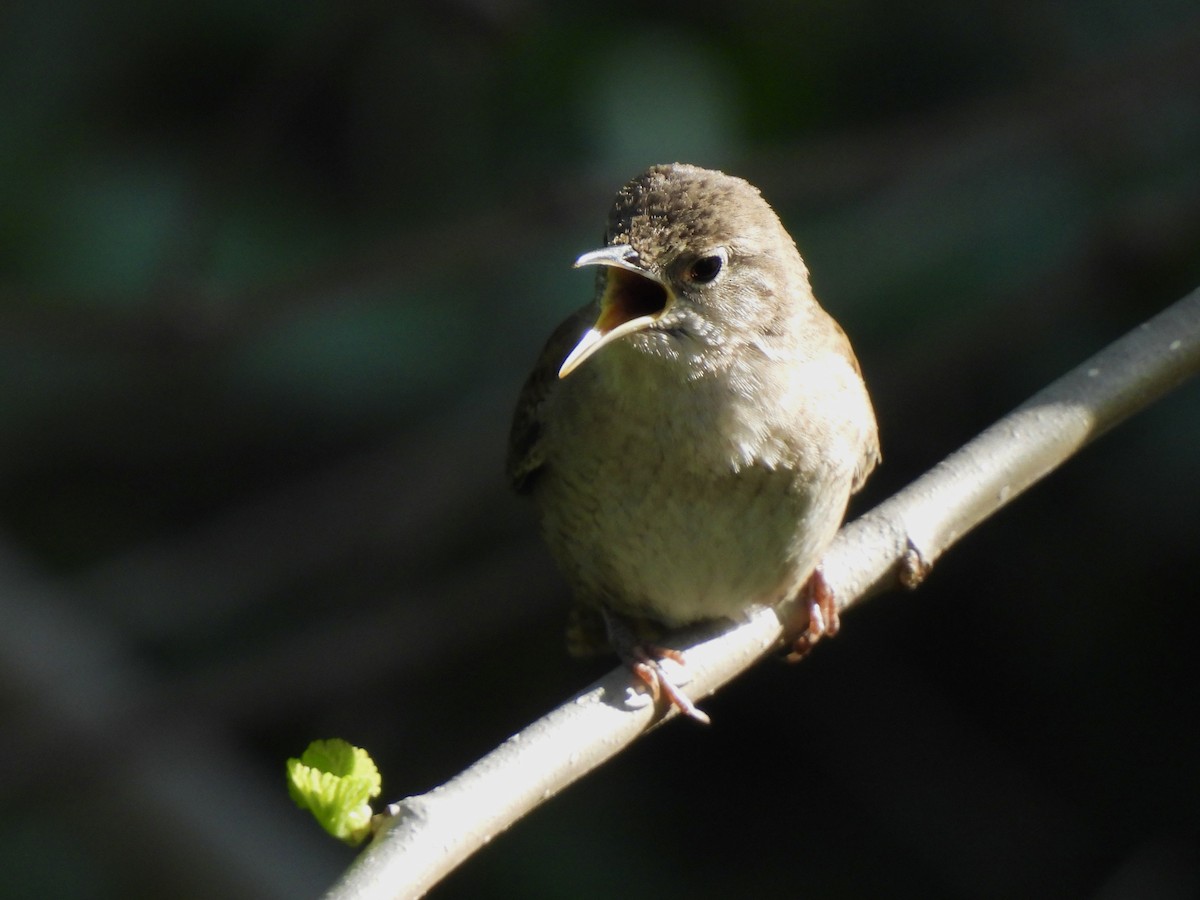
870,456
524,439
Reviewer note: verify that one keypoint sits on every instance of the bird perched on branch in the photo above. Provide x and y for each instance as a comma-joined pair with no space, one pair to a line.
692,435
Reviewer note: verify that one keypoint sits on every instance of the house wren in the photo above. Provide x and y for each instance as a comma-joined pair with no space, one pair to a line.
691,436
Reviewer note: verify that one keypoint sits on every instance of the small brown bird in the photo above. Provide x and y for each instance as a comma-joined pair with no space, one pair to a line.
691,437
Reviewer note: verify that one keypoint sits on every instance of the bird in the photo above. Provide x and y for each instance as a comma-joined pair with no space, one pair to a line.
692,435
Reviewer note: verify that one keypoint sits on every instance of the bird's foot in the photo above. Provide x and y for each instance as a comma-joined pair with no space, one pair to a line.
649,670
823,618
645,661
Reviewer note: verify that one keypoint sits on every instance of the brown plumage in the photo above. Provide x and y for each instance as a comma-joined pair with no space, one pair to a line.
692,435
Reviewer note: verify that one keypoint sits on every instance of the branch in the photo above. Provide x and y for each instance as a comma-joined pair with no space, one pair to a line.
425,837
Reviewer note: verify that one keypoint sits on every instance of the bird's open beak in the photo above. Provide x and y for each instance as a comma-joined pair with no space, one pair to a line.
633,299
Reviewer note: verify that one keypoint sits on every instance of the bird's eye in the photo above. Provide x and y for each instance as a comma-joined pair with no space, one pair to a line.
705,269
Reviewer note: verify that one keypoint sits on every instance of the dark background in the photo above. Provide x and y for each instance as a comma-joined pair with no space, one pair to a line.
270,277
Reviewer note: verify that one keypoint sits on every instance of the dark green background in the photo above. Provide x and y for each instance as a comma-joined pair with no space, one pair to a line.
270,277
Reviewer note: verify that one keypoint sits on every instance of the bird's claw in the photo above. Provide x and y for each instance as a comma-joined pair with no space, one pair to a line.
646,663
823,618
652,674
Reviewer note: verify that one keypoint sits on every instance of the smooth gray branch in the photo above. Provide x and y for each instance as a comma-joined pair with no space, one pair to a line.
427,836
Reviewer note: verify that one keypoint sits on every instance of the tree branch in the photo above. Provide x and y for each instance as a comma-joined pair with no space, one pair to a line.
427,836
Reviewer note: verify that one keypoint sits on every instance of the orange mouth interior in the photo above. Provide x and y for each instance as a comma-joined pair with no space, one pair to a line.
629,296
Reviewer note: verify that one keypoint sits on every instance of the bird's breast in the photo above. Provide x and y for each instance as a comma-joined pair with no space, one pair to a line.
680,499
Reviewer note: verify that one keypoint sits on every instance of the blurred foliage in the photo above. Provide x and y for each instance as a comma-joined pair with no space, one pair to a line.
270,276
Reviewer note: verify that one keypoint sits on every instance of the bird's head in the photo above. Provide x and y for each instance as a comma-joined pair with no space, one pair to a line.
693,261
